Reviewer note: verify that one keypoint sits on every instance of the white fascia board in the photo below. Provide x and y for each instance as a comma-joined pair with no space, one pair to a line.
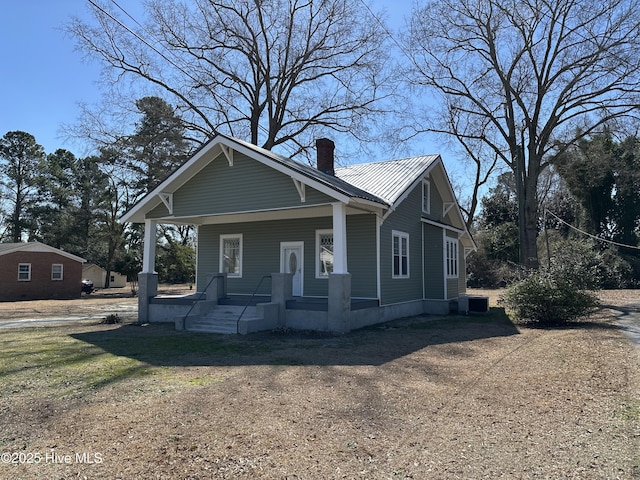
150,201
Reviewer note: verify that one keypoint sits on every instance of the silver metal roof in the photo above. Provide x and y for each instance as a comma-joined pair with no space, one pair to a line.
386,180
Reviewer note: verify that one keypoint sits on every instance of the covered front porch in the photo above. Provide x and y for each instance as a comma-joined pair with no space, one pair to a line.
213,308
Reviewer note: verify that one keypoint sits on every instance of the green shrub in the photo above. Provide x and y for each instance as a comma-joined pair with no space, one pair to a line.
547,297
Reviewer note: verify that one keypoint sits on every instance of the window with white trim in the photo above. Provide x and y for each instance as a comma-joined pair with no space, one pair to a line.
24,272
426,196
400,245
231,255
324,253
451,246
56,271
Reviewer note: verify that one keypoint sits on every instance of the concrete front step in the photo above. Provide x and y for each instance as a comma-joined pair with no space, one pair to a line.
223,319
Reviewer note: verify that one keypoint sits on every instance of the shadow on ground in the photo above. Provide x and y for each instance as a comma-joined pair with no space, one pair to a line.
161,345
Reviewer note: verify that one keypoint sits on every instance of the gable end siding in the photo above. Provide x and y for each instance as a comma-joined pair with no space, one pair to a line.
248,185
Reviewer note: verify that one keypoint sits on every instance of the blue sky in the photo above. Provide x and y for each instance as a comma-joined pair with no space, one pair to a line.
44,79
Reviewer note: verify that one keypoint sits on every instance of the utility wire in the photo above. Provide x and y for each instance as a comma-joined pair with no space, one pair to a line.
386,30
590,235
172,63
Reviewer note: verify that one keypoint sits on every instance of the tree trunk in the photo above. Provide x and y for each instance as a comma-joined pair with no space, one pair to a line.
529,239
529,218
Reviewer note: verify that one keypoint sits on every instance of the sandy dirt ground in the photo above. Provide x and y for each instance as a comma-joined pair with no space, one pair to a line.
420,398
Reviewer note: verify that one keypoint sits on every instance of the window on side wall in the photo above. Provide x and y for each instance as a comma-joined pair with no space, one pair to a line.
324,253
400,255
231,255
426,196
56,271
451,246
24,272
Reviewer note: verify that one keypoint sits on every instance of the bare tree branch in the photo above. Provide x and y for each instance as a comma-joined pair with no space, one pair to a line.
272,72
525,79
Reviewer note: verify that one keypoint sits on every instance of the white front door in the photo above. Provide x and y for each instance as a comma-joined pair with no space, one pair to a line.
292,261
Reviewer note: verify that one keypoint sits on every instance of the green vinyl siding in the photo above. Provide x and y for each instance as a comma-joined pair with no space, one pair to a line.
158,212
246,186
433,262
452,288
361,255
406,219
261,253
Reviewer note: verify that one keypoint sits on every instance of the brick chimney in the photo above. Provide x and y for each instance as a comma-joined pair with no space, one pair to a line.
324,152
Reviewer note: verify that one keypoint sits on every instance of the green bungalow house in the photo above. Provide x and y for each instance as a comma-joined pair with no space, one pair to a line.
285,245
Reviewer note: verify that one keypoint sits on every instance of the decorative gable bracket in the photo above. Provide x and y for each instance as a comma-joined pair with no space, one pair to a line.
446,206
301,188
167,199
228,152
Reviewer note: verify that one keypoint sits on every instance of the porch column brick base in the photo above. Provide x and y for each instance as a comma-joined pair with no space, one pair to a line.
147,289
339,302
281,291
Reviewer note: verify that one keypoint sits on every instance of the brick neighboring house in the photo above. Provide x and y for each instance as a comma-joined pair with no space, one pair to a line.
35,271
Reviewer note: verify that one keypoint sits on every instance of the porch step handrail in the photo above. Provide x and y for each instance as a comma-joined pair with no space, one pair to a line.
213,277
249,302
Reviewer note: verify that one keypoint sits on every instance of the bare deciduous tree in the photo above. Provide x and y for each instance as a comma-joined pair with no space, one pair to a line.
520,79
272,72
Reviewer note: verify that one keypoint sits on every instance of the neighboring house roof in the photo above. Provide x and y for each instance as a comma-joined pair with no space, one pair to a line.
6,248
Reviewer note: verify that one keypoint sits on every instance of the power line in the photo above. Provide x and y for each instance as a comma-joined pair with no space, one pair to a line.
162,55
590,235
386,30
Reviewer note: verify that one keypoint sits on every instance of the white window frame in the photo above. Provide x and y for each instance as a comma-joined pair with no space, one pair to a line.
452,257
28,272
319,233
53,276
233,236
400,236
426,196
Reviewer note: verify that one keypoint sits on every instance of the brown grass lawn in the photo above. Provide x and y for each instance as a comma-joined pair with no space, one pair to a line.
455,397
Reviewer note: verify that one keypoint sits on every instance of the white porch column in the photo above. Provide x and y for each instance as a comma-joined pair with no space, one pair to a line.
339,238
149,254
